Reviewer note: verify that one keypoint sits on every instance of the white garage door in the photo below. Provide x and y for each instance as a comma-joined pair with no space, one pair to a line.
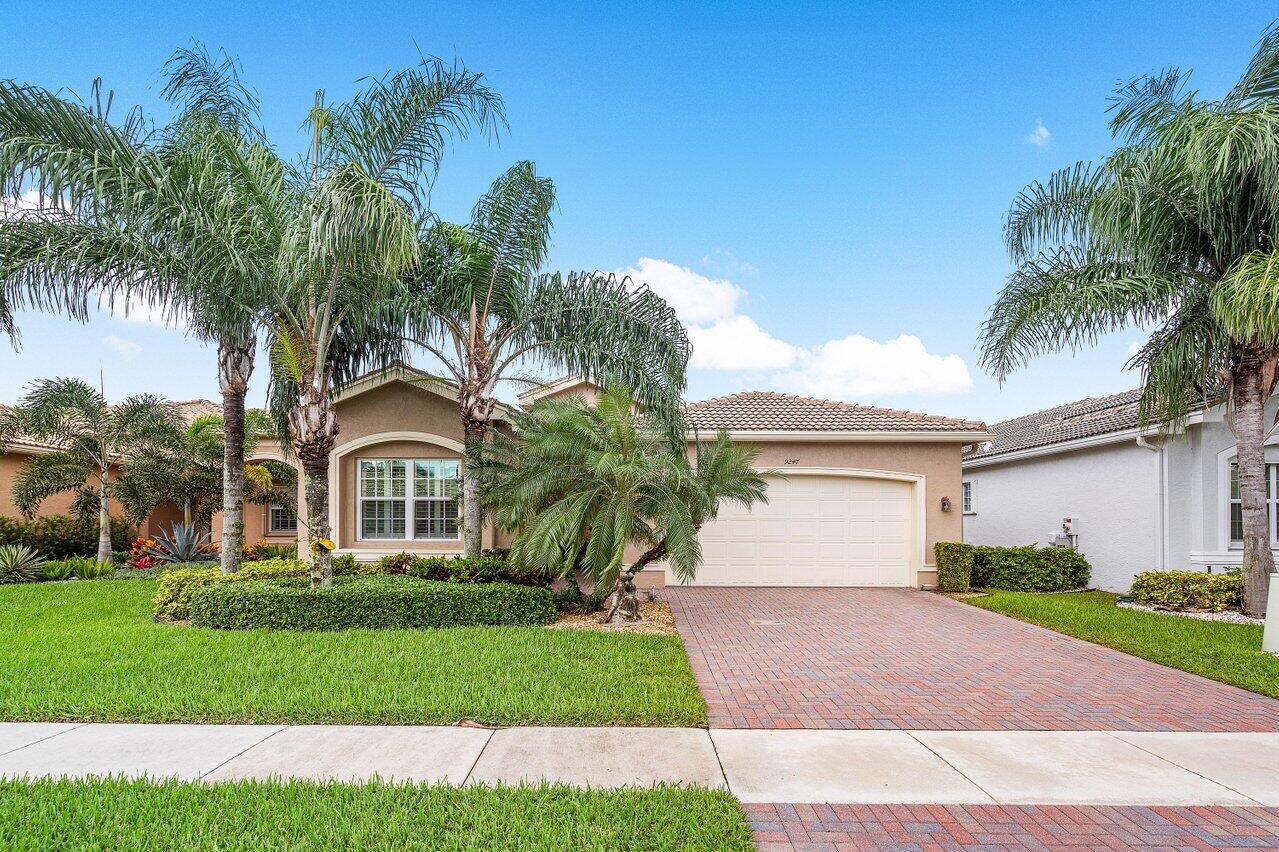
814,531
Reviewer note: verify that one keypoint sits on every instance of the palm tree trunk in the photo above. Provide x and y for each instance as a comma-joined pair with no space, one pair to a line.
314,429
235,366
625,597
104,519
1252,383
472,511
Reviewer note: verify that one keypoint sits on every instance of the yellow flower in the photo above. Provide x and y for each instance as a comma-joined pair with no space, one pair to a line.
323,544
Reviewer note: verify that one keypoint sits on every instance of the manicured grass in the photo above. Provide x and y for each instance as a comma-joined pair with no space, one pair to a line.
1230,653
90,651
251,816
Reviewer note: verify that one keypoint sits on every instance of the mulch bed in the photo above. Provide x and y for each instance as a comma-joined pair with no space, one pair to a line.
658,620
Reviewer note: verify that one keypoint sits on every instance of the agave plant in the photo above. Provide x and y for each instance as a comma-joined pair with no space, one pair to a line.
20,564
184,543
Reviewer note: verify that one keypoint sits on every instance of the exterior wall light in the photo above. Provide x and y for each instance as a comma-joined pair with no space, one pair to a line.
945,504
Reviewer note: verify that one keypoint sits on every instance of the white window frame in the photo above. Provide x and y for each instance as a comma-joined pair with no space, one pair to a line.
409,499
271,528
1272,502
968,496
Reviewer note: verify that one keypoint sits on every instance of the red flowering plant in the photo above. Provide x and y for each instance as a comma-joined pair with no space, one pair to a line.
139,559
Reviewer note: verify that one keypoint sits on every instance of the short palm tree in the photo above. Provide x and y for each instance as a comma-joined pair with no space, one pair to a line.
93,438
1177,229
583,483
479,303
185,218
351,235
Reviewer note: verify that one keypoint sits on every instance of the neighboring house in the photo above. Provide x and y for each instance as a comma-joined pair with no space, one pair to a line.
1138,499
856,494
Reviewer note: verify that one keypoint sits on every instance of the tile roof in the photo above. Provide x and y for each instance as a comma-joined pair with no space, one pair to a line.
187,410
765,411
1082,419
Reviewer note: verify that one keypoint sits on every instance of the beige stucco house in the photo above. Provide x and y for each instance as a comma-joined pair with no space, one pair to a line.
857,496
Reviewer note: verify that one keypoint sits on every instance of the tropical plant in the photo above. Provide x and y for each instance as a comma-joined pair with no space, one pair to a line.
92,438
184,543
184,219
582,483
351,236
20,564
479,303
1175,230
58,570
90,569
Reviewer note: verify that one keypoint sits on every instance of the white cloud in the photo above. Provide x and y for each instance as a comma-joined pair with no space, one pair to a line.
1040,136
858,366
697,300
853,367
140,310
738,343
29,200
125,350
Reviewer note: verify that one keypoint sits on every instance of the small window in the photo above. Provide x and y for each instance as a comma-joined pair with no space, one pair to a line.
967,500
281,519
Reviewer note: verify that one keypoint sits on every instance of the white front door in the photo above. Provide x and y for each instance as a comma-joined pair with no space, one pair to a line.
815,530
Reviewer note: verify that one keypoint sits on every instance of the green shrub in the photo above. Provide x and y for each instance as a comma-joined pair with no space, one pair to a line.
57,570
954,565
20,564
1188,590
60,536
90,569
172,601
368,602
345,564
1029,569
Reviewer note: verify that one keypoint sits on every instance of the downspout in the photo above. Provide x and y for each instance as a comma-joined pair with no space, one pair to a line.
1161,498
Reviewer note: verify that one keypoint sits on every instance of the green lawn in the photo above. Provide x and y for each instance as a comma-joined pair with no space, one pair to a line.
90,651
251,816
1230,653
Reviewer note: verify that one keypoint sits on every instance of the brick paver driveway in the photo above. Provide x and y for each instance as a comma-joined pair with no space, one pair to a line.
899,658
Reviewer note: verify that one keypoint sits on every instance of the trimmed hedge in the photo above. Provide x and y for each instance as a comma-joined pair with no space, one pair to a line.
172,601
1188,590
492,567
1016,569
369,603
954,566
62,536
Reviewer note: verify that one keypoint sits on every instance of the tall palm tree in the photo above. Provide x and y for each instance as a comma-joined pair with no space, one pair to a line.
582,483
1177,230
185,218
479,303
92,439
351,236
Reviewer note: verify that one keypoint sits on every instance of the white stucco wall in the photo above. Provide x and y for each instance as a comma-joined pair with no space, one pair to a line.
1111,490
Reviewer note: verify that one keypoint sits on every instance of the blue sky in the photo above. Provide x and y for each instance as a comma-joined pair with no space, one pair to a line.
807,182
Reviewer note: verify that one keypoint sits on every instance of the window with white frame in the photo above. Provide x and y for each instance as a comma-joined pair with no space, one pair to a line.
967,502
281,519
408,499
1272,503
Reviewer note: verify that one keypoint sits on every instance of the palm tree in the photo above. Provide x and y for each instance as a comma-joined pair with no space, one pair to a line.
584,483
351,236
185,218
190,471
1177,230
92,438
478,303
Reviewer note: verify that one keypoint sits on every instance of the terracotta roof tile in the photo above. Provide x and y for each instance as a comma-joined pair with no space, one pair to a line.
766,411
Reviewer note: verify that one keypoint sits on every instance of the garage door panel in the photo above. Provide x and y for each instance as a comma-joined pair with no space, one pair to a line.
814,531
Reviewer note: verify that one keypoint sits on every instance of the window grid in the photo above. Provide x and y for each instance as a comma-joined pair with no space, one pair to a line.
1272,504
281,519
393,491
966,498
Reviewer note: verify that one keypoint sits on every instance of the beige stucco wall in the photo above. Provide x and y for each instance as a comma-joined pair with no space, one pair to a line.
59,504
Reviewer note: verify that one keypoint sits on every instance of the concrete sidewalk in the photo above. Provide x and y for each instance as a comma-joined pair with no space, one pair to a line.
863,767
